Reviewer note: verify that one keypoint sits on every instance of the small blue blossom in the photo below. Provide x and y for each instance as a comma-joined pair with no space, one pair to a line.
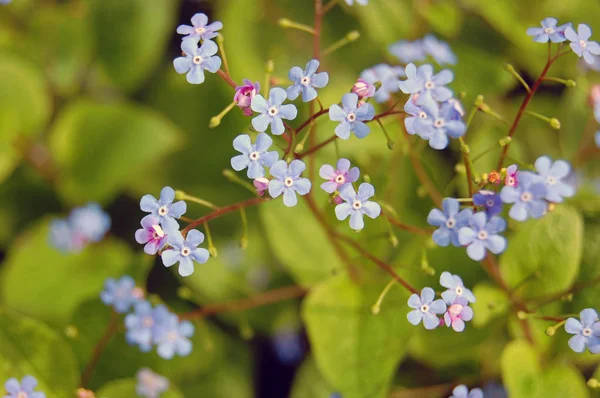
151,235
414,112
457,111
150,384
338,177
458,312
423,82
197,60
254,156
490,201
184,251
461,391
449,222
586,331
61,236
121,294
351,117
388,76
89,222
551,174
288,182
425,309
482,235
307,81
455,287
200,28
357,204
580,43
438,123
163,208
361,2
272,111
549,31
172,337
439,50
14,389
528,197
408,51
142,323
288,346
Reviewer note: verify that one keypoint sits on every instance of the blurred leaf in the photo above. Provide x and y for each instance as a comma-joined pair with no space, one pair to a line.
590,269
356,351
113,144
491,303
443,16
126,388
393,19
550,246
29,347
309,383
41,281
520,369
562,381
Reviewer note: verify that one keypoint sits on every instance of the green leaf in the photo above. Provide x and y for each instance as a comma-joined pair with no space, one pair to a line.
113,144
562,381
126,388
309,383
356,351
520,369
491,303
29,347
131,37
41,281
551,247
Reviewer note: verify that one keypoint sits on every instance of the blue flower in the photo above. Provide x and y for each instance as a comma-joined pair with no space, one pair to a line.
151,235
551,175
200,28
288,182
338,177
172,337
425,309
482,235
422,81
449,222
121,294
272,111
490,200
587,332
150,384
549,31
142,323
408,51
439,50
436,122
288,346
184,251
351,117
254,156
361,2
455,287
196,60
89,222
462,391
14,389
527,196
61,236
357,204
306,81
388,76
580,44
163,208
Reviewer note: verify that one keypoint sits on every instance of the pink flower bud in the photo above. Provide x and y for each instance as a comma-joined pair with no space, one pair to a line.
337,199
261,185
244,94
363,89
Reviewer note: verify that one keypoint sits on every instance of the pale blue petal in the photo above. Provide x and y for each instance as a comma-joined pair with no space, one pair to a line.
476,250
588,317
430,321
311,67
195,75
308,94
194,237
276,96
438,307
496,244
295,74
182,64
288,111
414,317
259,104
349,101
186,266
302,185
577,343
279,170
356,221
320,80
436,218
239,162
212,64
149,203
170,257
260,122
442,236
289,197
293,91
342,211
342,130
371,209
347,192
336,113
361,130
242,143
200,255
466,236
275,188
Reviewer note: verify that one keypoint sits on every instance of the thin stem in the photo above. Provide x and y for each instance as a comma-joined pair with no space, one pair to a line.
349,38
224,210
377,306
220,40
390,142
517,76
329,6
464,148
184,196
286,23
541,301
109,333
317,147
421,173
226,77
211,247
539,116
310,119
395,222
231,176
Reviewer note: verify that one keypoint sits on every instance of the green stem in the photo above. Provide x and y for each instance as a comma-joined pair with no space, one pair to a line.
231,176
286,23
211,247
184,196
349,38
390,143
377,306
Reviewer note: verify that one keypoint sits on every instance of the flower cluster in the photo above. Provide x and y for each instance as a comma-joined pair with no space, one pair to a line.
121,294
24,389
84,225
420,50
461,391
586,331
150,384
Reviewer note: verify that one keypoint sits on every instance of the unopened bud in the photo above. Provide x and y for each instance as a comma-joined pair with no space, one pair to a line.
353,35
180,195
72,332
391,145
284,23
261,185
214,122
555,123
393,240
375,309
570,83
363,89
504,141
509,67
593,383
270,66
299,148
551,206
367,178
421,191
185,293
460,169
213,251
484,177
550,331
522,315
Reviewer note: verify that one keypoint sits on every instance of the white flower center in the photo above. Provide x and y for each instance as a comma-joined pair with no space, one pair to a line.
422,115
482,235
200,30
511,181
158,231
351,117
305,81
340,179
583,43
356,205
587,332
148,322
429,85
163,210
288,182
458,290
185,251
549,31
254,156
273,111
197,60
551,180
526,197
450,222
424,308
439,123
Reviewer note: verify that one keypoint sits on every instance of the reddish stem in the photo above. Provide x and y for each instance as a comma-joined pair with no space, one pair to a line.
395,222
317,147
310,119
224,210
227,78
109,333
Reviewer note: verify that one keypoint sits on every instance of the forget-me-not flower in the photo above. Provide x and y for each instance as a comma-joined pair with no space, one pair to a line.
200,28
388,76
151,235
197,60
580,43
449,222
272,111
254,156
150,384
351,117
438,124
141,323
163,208
439,50
551,174
511,176
455,287
339,176
61,236
288,182
357,204
457,313
408,51
24,389
586,331
425,309
172,337
489,200
89,222
482,234
549,31
461,391
422,81
121,294
184,251
306,81
527,197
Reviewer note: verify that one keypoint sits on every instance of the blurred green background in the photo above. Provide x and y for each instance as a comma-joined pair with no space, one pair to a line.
91,109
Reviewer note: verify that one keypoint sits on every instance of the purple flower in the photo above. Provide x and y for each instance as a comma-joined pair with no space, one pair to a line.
456,288
172,337
438,124
408,51
254,156
422,81
462,391
89,222
439,50
261,185
490,200
14,389
511,176
307,81
184,251
551,175
586,331
163,208
449,222
357,205
151,234
200,29
482,235
121,294
196,60
272,111
244,94
288,182
363,89
425,309
458,312
528,197
150,384
389,76
580,44
549,31
342,175
351,117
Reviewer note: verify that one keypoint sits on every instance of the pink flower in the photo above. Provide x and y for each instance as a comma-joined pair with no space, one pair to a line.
343,174
457,314
363,89
244,94
511,176
261,185
151,234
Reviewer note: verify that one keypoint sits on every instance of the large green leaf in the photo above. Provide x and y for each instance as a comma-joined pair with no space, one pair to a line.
100,148
309,383
491,303
29,347
126,388
550,246
356,351
41,281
